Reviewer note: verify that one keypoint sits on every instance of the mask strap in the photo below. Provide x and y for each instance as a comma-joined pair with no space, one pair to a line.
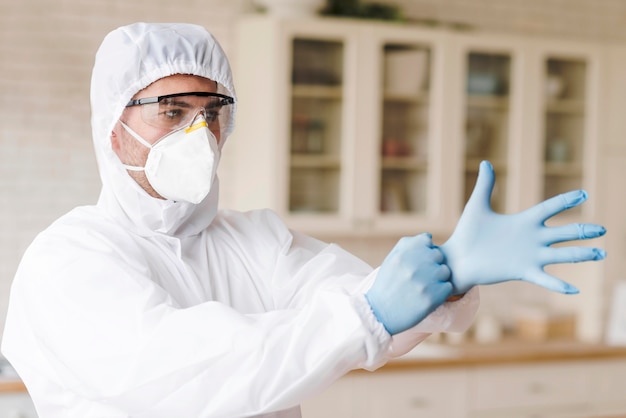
136,135
133,167
141,141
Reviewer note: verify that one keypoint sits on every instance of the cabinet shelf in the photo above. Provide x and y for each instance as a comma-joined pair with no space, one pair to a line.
562,169
404,163
472,165
566,106
315,161
316,91
421,98
488,102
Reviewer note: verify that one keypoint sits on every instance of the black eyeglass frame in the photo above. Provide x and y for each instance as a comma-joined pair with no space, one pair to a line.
225,100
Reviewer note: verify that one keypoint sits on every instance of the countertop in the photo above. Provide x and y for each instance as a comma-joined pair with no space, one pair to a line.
430,355
11,386
9,380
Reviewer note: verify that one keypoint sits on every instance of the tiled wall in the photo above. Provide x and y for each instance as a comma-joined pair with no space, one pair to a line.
46,53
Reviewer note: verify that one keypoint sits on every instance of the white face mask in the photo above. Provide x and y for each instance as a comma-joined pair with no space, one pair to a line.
181,165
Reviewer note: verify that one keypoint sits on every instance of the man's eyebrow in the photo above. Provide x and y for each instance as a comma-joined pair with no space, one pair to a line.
214,102
175,101
209,103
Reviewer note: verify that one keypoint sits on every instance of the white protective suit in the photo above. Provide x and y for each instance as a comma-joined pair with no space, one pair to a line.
145,308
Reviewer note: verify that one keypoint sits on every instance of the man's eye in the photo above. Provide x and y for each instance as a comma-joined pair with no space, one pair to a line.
211,116
171,113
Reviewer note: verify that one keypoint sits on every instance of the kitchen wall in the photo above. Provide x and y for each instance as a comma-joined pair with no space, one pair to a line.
46,53
600,20
47,49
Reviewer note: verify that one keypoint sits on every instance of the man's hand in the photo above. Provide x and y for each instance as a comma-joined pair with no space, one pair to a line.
411,283
487,247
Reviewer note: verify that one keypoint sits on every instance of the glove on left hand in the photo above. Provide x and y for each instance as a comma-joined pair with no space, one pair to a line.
488,248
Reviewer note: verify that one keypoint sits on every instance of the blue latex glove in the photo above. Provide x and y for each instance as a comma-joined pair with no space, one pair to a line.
411,283
488,248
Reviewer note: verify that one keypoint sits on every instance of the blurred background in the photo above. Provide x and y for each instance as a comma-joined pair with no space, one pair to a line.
368,125
46,157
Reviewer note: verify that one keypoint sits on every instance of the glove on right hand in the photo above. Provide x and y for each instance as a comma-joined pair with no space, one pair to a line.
411,283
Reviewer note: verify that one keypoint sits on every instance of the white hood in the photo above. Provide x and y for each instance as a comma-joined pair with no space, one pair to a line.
129,59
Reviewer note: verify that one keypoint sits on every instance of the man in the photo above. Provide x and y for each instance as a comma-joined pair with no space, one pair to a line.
155,304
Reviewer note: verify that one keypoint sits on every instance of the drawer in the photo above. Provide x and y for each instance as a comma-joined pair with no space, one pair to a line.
529,386
609,377
540,412
419,394
339,400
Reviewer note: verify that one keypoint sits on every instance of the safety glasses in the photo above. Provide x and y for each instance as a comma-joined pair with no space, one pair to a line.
174,111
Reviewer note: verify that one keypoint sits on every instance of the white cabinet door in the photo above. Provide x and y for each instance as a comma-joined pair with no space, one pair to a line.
549,390
297,106
537,412
340,400
339,126
423,394
488,125
608,393
548,385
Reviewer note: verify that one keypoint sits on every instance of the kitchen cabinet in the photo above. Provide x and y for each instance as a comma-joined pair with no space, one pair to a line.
530,388
351,128
398,395
337,126
354,128
404,395
559,389
607,391
530,106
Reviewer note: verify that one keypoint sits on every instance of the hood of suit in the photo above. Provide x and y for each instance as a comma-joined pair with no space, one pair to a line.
129,59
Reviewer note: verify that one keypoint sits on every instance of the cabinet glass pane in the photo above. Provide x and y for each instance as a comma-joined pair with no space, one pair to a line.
564,125
487,119
316,107
405,113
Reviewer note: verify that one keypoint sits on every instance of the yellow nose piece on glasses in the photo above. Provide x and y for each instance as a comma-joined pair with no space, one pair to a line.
200,124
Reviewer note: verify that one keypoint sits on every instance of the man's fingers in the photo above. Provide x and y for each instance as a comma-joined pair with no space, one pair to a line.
557,204
442,273
573,232
481,195
543,279
572,255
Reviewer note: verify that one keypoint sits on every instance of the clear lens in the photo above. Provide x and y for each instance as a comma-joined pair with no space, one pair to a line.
176,112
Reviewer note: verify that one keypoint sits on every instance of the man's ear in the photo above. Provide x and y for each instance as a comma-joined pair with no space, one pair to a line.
115,139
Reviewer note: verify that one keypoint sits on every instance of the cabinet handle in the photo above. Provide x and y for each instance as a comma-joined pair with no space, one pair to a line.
418,403
537,388
363,223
